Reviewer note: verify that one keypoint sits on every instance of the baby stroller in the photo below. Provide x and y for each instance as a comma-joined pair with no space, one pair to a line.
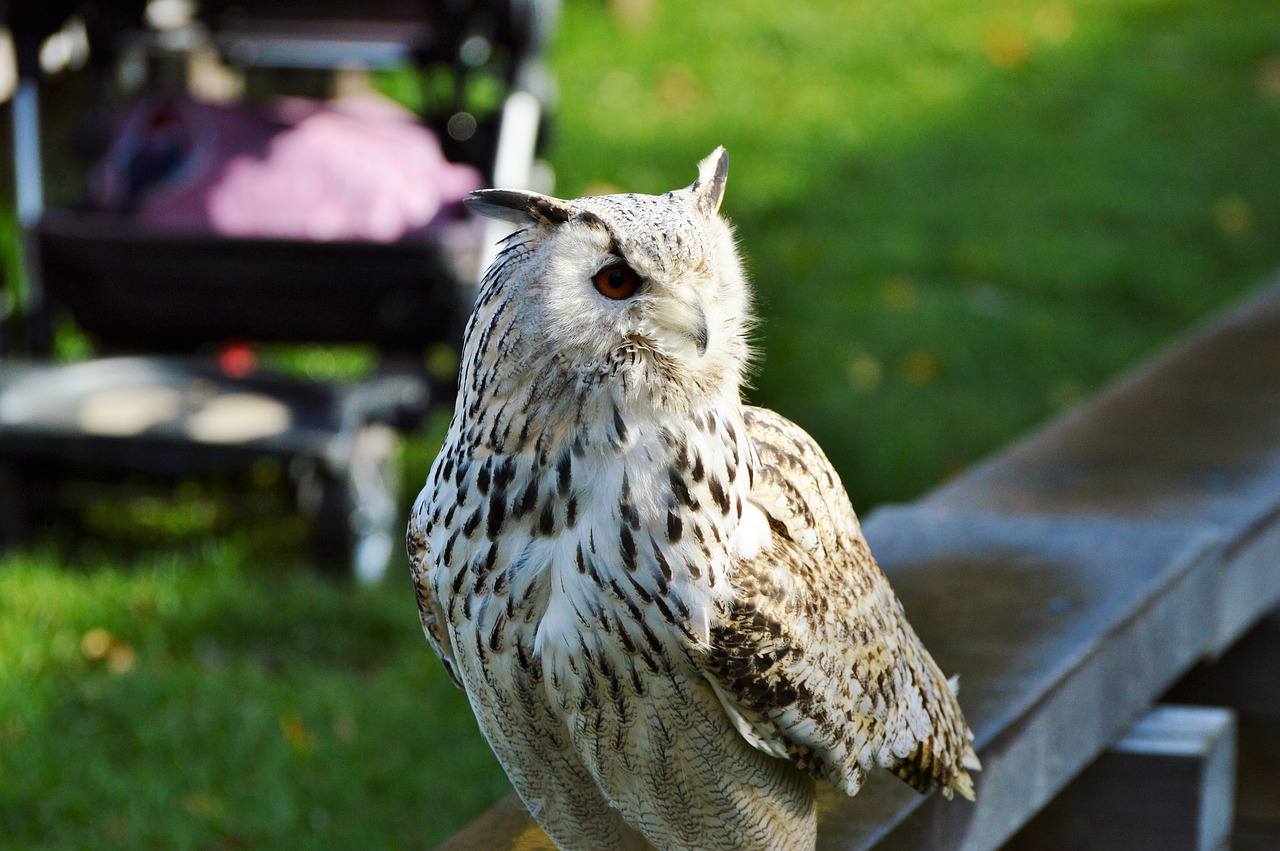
177,280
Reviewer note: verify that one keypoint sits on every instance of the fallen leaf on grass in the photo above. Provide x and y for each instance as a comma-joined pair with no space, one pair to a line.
202,804
96,643
900,293
99,645
864,372
296,733
920,367
1233,216
1007,47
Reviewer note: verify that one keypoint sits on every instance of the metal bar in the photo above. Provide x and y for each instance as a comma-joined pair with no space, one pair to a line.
1168,785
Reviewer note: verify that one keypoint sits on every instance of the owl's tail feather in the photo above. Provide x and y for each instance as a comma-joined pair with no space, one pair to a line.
962,782
943,759
927,769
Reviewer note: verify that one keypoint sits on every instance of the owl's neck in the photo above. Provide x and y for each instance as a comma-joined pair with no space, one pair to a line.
542,404
519,392
617,498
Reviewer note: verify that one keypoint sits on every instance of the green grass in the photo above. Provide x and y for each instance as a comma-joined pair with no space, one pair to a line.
188,702
959,217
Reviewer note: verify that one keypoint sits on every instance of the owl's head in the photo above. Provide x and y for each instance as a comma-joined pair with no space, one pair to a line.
640,295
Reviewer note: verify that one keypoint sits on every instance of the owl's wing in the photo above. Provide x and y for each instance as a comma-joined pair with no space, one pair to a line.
429,608
813,659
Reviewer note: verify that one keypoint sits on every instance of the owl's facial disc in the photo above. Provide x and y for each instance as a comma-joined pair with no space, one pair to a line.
646,288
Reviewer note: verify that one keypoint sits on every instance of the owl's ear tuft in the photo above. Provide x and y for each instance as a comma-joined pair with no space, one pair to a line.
713,173
522,208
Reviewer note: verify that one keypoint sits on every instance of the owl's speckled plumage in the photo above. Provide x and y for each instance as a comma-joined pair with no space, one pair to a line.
658,600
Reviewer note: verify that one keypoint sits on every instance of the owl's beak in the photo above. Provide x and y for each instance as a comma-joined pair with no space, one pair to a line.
679,321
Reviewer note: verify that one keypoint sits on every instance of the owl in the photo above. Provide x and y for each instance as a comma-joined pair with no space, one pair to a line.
658,599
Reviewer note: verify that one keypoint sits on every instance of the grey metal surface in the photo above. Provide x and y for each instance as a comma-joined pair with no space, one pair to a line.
1168,785
1160,501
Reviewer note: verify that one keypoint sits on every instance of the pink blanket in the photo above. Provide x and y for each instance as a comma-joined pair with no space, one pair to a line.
357,168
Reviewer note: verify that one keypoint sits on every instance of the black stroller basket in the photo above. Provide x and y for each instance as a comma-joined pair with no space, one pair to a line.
161,303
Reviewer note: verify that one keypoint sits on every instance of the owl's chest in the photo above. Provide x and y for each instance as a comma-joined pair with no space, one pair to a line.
558,565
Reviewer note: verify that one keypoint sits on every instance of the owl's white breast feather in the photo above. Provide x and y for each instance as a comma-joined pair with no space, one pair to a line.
753,533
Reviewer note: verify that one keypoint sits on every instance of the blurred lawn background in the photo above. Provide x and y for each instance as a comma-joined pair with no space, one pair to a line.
960,218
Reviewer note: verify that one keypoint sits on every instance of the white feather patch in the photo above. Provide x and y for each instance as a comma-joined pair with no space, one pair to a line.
753,534
700,621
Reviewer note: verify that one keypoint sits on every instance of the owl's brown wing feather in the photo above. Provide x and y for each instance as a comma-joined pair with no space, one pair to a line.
813,658
429,608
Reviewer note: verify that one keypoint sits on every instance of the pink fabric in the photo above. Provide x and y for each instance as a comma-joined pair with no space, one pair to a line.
358,168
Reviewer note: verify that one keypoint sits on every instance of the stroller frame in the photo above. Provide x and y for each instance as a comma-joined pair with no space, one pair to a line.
159,301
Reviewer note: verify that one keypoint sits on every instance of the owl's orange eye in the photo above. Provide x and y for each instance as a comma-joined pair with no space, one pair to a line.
617,281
